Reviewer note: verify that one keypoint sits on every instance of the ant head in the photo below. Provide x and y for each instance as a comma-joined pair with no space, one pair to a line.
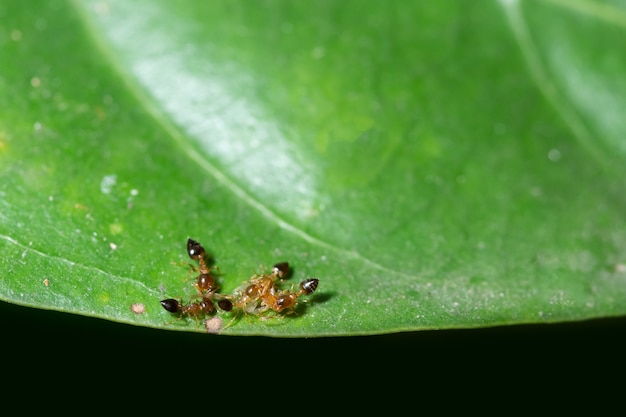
309,285
171,305
194,249
225,304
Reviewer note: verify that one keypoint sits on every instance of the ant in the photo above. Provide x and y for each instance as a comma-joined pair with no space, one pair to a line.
287,300
204,306
205,283
262,294
259,287
195,310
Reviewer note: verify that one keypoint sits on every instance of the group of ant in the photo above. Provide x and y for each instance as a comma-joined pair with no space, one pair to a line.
259,295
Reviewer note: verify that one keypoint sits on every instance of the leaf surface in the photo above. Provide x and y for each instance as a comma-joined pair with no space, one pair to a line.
435,164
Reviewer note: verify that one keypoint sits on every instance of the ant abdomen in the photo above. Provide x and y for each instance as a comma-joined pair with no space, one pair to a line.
195,249
225,304
172,305
281,269
308,286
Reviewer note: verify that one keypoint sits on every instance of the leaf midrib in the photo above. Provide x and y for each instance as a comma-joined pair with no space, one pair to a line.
160,118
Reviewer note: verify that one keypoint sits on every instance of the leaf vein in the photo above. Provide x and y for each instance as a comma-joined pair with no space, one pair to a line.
541,78
79,265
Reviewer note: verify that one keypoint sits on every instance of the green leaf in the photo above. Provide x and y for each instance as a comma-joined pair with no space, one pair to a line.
435,164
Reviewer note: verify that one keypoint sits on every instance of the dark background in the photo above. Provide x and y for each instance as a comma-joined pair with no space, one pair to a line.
67,363
58,355
30,327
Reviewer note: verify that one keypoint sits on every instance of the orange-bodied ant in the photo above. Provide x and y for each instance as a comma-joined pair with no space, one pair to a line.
205,283
195,310
273,299
248,299
261,294
287,300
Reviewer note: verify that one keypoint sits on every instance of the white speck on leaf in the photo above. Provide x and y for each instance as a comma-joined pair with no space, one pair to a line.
107,183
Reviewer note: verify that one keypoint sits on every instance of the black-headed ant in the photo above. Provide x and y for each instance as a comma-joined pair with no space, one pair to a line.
195,309
248,298
262,293
205,283
287,300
